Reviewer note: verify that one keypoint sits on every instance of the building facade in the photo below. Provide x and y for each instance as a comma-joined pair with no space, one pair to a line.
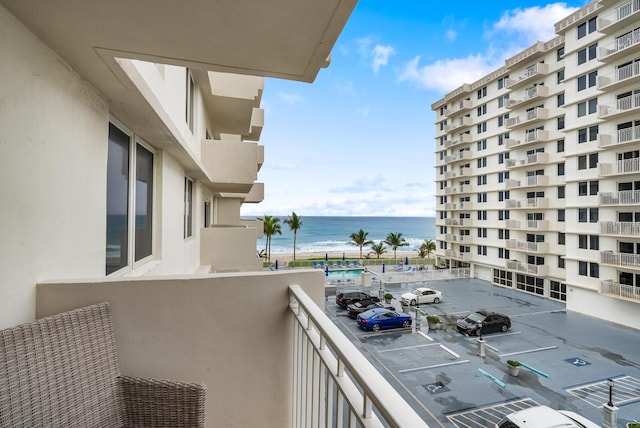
537,167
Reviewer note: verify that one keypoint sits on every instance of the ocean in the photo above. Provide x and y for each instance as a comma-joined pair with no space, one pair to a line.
322,234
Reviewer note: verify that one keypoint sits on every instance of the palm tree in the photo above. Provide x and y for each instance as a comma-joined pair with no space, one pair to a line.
422,252
295,223
378,249
359,239
395,240
428,246
271,227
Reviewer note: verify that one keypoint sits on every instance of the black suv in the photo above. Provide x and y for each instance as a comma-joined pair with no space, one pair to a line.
481,322
348,297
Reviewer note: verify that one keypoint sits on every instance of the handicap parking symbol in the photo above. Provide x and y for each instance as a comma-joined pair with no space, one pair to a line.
436,387
578,362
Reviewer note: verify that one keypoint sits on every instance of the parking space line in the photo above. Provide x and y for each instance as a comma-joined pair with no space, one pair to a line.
379,333
415,369
528,351
407,347
449,351
425,336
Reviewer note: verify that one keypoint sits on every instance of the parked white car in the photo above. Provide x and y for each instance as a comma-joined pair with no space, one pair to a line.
421,295
544,417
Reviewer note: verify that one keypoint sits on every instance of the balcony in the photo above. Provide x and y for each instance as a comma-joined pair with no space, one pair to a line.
620,47
460,139
456,255
541,225
530,137
622,167
622,76
624,136
620,259
620,228
527,203
529,160
229,248
530,117
625,197
463,155
530,181
458,222
528,247
175,328
466,239
620,291
231,165
618,18
527,268
461,172
459,123
530,95
530,74
629,105
460,106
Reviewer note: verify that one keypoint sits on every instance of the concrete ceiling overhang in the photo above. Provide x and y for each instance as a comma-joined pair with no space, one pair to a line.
289,39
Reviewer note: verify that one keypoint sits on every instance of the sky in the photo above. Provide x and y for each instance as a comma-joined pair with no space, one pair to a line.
360,139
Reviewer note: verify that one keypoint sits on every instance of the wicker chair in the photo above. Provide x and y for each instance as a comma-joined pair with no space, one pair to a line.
62,371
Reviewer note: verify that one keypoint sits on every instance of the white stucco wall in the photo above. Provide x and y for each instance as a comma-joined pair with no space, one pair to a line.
53,133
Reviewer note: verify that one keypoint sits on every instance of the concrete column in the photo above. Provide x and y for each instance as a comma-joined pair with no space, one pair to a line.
481,347
610,416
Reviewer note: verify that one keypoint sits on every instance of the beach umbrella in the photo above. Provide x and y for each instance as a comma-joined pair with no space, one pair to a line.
326,257
342,256
382,267
326,271
276,265
406,260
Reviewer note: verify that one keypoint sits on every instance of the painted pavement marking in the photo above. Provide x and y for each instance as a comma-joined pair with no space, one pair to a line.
489,415
415,369
626,389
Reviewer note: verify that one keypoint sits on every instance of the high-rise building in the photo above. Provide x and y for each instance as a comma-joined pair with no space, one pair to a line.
537,170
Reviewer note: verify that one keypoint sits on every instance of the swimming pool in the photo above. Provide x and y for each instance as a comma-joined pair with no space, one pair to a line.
345,273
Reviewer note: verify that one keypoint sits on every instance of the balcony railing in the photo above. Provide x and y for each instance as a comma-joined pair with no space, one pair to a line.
463,155
620,259
528,224
620,228
458,255
628,104
530,137
527,203
611,21
625,197
530,181
527,267
529,247
620,76
616,289
334,384
461,139
460,106
528,95
621,44
624,136
538,113
459,123
625,166
529,74
533,159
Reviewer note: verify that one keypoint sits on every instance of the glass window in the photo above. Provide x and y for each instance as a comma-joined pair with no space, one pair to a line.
582,56
561,215
560,192
188,207
582,82
143,202
561,99
561,122
560,146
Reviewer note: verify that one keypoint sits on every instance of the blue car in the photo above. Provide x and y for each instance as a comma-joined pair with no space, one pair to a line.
379,318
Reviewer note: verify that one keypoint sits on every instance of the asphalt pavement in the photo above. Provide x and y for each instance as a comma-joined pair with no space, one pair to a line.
567,357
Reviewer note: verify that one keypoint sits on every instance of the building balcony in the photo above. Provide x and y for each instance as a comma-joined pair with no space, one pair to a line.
527,203
529,160
530,74
619,17
174,328
460,106
231,165
229,248
619,48
529,117
530,181
460,139
466,222
460,156
622,76
528,96
462,239
624,136
540,225
456,255
626,106
461,172
622,167
528,247
527,268
625,197
531,137
620,228
627,260
620,291
459,123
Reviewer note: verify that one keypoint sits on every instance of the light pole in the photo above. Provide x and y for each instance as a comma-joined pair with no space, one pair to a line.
610,383
610,411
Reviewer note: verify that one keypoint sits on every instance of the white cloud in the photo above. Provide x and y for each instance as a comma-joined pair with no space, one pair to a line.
516,30
448,74
381,56
289,98
451,35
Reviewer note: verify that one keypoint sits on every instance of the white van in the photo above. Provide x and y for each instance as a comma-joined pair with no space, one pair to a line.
545,417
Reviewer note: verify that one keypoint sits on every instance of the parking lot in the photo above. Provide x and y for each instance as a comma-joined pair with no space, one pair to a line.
567,357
